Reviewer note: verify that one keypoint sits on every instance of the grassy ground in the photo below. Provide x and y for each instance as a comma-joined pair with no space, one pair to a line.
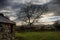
38,36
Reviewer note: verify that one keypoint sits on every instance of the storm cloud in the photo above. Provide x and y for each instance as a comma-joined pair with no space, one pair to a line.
4,3
54,7
15,5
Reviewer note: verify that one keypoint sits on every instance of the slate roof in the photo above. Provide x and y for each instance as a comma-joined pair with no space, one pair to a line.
4,19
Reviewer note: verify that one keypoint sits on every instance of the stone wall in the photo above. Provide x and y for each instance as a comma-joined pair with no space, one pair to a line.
6,34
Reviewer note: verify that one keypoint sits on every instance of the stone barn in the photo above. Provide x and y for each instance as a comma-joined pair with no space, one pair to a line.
7,28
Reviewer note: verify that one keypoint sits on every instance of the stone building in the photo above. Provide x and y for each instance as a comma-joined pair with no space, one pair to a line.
7,28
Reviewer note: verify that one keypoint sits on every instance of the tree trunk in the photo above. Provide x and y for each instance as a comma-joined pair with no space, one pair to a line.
29,23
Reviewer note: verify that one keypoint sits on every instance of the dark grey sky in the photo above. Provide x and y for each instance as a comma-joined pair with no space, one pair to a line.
14,5
54,6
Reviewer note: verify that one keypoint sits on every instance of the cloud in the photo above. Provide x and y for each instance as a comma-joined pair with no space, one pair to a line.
14,6
40,2
49,19
54,6
4,3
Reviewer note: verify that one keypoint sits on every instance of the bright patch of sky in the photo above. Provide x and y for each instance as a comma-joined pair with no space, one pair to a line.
13,18
32,1
45,19
40,1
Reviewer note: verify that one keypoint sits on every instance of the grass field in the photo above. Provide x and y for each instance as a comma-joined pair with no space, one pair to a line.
38,36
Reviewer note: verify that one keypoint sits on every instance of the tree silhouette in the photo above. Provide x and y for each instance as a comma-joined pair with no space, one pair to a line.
57,25
32,12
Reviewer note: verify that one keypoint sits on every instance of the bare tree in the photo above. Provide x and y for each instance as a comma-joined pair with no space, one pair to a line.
57,25
32,12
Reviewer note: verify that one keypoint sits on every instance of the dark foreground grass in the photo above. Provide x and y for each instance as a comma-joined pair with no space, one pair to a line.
38,36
